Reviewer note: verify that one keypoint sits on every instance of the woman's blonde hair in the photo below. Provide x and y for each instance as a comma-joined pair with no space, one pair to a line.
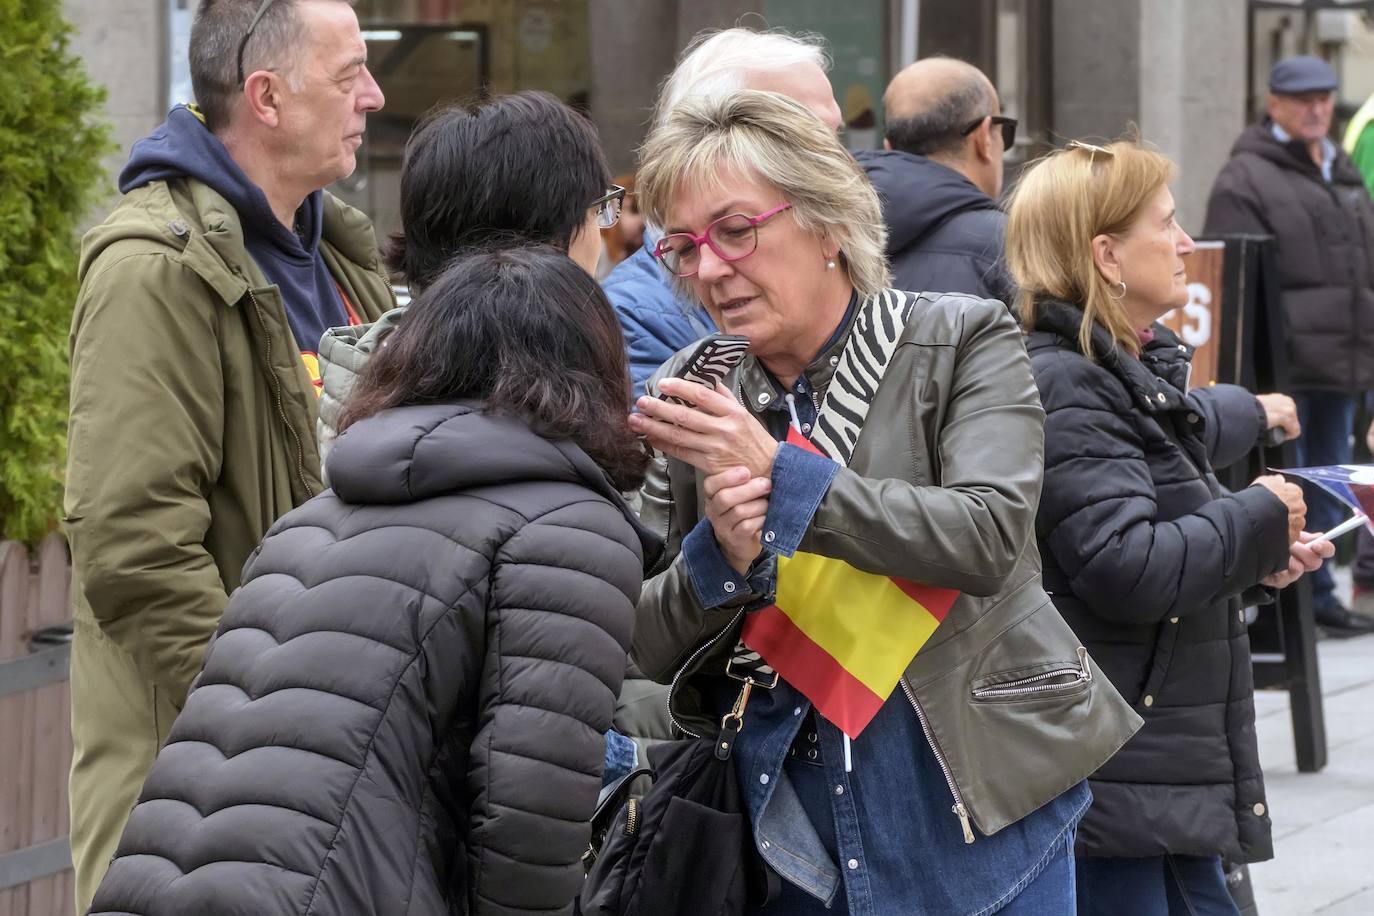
772,137
1058,206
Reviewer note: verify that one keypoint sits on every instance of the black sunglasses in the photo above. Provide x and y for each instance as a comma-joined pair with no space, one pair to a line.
1008,129
257,17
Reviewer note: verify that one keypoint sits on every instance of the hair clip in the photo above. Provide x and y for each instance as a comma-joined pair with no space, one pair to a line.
1092,149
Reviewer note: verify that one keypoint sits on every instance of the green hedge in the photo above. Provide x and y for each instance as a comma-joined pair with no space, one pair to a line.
50,175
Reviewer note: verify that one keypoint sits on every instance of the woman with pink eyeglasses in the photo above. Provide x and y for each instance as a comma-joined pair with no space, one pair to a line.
852,509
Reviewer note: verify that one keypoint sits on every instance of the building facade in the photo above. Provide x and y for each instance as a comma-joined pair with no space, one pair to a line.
1175,69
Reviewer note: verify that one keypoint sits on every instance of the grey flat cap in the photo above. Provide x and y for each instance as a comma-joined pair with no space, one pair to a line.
1295,75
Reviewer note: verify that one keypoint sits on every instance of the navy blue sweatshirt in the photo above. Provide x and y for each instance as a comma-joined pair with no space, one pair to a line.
183,147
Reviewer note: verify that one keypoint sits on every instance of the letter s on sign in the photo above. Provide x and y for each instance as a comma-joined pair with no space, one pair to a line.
1197,329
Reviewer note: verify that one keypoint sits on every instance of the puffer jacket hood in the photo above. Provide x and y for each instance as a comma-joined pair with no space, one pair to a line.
918,195
426,451
943,233
415,459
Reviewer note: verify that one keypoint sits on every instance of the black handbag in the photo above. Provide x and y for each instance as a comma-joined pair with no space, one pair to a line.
686,847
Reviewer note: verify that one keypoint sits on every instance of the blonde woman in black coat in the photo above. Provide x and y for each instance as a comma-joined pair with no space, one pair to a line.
1147,557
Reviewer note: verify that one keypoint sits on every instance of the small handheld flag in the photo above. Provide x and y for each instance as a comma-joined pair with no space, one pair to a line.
841,636
1352,484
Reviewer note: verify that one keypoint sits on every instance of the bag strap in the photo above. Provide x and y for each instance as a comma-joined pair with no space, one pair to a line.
839,421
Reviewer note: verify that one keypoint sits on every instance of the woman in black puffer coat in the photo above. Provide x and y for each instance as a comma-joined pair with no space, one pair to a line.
1147,557
402,711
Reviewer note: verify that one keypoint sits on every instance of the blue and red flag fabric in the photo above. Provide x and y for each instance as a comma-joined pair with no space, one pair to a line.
1352,484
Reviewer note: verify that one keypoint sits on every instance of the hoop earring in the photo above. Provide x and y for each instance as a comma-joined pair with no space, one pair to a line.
1123,290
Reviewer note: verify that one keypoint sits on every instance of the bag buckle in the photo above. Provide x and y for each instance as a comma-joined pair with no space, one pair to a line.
749,667
733,722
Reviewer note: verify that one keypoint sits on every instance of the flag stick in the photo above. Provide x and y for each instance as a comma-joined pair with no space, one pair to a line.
1349,524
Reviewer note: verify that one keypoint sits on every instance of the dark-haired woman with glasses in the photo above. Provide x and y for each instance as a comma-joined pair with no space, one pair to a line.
518,168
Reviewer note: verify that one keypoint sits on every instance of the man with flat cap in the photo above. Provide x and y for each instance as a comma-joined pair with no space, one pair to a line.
1286,178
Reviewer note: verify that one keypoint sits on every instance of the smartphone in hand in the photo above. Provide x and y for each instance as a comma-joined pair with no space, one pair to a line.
713,358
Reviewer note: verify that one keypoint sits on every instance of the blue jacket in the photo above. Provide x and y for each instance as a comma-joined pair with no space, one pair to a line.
656,320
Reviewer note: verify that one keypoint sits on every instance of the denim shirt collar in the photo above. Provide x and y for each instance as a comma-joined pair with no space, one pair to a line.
759,389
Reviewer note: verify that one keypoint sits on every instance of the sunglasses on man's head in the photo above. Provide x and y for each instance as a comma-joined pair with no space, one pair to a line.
253,24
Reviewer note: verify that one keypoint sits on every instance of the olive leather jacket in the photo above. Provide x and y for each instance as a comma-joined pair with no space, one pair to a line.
942,489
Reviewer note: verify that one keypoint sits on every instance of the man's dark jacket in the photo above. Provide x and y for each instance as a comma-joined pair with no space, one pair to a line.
1325,234
943,234
1147,558
402,710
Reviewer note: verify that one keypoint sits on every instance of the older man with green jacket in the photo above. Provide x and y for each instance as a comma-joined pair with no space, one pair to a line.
194,375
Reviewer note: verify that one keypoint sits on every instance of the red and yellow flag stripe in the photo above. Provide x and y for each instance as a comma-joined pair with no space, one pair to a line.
842,636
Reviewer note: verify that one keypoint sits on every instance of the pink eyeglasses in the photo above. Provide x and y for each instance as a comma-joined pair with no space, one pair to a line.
732,237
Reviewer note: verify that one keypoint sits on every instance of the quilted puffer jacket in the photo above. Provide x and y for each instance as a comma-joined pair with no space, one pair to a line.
1150,561
402,710
343,354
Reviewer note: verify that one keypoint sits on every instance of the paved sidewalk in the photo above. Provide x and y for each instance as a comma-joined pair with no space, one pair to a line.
1323,822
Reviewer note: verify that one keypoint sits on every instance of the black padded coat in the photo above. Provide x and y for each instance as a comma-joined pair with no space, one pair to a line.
402,710
943,234
1325,235
1147,558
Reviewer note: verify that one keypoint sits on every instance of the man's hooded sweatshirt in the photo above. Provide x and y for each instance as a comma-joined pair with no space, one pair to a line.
184,147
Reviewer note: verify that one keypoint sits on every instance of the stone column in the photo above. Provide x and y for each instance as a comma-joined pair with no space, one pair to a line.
1192,91
1173,68
1095,46
122,44
633,47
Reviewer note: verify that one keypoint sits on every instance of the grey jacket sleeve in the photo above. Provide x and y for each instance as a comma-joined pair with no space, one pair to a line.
671,621
343,354
968,532
1233,420
559,619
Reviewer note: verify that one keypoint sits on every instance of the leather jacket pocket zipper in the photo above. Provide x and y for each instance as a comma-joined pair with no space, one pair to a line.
1047,683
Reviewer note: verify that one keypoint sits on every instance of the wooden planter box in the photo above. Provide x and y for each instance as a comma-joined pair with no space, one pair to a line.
35,730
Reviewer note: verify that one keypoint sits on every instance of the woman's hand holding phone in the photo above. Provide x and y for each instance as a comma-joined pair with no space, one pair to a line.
711,430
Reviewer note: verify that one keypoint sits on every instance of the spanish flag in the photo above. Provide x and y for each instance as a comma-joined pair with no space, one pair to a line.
841,636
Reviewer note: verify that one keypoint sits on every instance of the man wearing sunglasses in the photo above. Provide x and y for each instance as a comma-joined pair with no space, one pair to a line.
193,395
939,177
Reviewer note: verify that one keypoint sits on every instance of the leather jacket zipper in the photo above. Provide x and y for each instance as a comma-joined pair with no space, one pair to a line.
1032,686
959,810
276,394
672,687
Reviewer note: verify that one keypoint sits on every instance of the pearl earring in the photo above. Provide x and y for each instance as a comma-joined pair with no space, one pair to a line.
830,264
